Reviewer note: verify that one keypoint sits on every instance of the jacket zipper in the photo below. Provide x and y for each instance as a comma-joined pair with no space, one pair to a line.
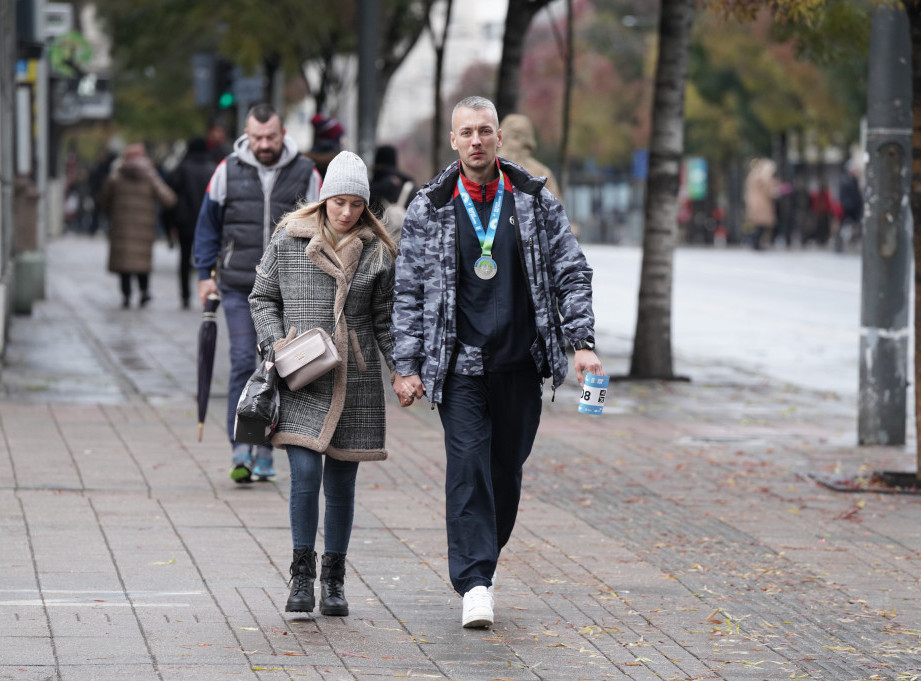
267,211
535,280
228,254
533,260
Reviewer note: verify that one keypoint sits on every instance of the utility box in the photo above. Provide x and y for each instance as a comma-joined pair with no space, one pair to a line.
25,215
28,281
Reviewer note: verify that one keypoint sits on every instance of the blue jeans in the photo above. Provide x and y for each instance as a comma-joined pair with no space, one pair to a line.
490,423
243,354
338,479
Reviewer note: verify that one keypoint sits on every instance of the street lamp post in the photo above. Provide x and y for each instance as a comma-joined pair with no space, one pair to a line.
887,238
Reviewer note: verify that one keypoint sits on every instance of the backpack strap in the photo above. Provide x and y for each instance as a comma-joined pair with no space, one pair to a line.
404,193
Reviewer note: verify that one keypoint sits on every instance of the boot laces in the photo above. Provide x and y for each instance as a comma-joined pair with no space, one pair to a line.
301,581
335,589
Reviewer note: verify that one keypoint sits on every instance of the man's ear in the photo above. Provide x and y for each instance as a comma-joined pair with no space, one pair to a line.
453,143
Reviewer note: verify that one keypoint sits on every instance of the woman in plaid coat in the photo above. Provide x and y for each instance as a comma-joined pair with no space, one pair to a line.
329,265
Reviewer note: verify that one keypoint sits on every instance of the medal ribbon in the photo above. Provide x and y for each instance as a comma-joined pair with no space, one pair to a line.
486,237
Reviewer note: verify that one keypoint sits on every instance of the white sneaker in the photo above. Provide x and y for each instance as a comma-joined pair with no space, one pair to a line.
477,608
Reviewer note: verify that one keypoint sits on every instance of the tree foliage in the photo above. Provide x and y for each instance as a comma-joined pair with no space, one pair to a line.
517,20
611,94
153,36
749,83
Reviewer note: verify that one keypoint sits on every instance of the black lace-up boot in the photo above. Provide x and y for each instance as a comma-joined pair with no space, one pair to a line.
303,574
332,593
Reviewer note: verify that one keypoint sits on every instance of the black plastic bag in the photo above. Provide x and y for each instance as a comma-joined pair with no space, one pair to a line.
257,410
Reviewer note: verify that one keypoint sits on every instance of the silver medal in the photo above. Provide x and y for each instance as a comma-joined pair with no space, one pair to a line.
485,268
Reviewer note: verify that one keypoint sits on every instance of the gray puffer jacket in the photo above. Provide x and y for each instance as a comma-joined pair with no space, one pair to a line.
425,295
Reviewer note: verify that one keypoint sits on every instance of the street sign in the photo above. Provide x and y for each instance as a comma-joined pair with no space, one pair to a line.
58,19
248,89
87,98
203,78
70,54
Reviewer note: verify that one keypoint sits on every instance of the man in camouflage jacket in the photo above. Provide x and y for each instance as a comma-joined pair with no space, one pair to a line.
479,343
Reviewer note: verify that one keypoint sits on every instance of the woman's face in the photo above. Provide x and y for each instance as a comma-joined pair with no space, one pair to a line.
344,211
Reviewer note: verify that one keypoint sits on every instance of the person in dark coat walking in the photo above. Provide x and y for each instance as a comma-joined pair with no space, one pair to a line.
190,182
329,265
850,196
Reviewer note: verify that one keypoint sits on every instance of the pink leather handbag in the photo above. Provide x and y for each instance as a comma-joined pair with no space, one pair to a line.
307,357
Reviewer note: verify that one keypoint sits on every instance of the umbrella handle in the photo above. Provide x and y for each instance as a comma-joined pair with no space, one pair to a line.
200,428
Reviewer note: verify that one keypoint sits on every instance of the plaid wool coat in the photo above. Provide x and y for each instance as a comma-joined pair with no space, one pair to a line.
300,284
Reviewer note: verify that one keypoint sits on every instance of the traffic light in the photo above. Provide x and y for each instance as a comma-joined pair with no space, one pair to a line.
224,78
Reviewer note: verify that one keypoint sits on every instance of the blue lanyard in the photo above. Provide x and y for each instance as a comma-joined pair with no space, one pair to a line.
486,238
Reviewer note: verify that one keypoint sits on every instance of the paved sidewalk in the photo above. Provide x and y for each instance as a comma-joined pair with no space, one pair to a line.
676,537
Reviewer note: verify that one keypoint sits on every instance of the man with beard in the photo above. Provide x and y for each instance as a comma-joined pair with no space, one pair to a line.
250,190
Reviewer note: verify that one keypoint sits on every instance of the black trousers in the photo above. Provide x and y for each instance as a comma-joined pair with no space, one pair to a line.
185,268
143,282
490,423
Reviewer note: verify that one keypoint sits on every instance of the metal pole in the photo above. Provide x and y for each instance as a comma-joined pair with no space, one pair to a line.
7,136
887,237
367,78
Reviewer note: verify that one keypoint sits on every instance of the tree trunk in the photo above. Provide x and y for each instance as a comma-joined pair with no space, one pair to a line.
517,20
569,59
438,133
913,9
397,40
652,343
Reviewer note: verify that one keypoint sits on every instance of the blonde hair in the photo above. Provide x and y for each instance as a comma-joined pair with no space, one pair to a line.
334,238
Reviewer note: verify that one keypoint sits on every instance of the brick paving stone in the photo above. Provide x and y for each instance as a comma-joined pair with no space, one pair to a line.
678,536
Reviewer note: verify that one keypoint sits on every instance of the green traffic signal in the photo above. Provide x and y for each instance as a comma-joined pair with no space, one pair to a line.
225,101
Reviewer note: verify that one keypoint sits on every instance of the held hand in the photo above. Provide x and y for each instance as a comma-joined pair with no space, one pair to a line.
205,288
408,388
586,361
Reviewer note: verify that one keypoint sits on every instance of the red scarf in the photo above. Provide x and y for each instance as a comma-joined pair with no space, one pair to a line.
475,190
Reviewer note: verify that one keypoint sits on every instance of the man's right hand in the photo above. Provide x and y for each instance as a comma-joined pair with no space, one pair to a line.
408,388
205,288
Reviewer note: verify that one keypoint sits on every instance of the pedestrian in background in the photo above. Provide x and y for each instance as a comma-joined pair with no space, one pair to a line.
129,197
850,196
518,145
761,189
216,139
391,190
329,265
327,141
482,316
97,177
825,213
264,178
190,181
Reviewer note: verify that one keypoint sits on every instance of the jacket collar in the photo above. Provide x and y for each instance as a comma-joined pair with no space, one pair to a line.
323,254
288,153
440,191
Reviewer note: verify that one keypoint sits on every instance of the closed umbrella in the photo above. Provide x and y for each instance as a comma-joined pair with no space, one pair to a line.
207,340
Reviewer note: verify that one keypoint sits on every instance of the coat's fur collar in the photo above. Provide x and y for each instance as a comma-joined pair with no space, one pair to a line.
323,254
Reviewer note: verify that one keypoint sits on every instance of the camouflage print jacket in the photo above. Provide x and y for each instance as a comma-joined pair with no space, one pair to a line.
425,300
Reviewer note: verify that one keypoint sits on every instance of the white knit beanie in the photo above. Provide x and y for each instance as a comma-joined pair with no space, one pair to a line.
346,174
